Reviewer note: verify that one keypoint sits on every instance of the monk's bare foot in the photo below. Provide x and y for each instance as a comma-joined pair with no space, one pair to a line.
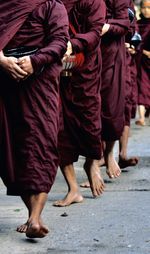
36,229
140,122
92,170
22,228
128,162
71,198
85,184
113,169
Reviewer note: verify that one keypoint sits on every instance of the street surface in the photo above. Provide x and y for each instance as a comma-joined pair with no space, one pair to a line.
116,223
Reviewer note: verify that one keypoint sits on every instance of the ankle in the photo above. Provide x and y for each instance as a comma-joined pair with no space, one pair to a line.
122,156
73,189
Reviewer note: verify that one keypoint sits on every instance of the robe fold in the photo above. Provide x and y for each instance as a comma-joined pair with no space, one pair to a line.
80,94
143,63
113,70
130,88
131,73
30,108
12,16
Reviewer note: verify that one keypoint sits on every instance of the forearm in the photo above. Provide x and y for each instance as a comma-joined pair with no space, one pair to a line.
85,42
117,29
56,36
53,52
119,22
146,53
88,36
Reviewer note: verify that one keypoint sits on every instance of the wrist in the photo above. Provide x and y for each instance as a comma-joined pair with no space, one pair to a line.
2,59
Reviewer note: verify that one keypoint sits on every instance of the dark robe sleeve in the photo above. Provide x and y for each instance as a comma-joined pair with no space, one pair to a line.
56,27
119,24
95,18
144,31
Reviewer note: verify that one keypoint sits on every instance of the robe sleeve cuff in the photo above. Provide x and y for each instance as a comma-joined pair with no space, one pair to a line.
77,45
110,29
39,60
117,31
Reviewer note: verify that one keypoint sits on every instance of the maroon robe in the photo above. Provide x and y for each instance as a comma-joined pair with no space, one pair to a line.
134,94
143,64
130,88
113,70
32,106
12,15
80,94
131,83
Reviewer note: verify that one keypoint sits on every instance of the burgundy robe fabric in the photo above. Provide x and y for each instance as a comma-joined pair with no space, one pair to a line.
134,93
80,94
143,64
130,88
32,105
131,82
113,70
6,158
12,15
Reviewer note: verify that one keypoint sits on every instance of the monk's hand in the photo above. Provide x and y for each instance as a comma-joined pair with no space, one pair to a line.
132,50
10,65
68,52
69,49
105,29
127,45
26,65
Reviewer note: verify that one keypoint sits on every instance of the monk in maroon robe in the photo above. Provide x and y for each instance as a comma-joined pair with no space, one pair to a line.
113,79
143,62
81,101
130,95
33,40
130,108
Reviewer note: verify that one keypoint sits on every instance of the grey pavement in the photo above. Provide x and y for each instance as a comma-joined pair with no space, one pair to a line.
116,223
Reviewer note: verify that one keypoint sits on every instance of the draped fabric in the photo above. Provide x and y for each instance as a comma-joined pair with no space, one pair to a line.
29,109
69,4
12,15
131,74
80,94
130,88
143,63
113,70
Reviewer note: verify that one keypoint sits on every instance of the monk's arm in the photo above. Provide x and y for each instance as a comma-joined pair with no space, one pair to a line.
56,36
120,23
95,19
146,53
